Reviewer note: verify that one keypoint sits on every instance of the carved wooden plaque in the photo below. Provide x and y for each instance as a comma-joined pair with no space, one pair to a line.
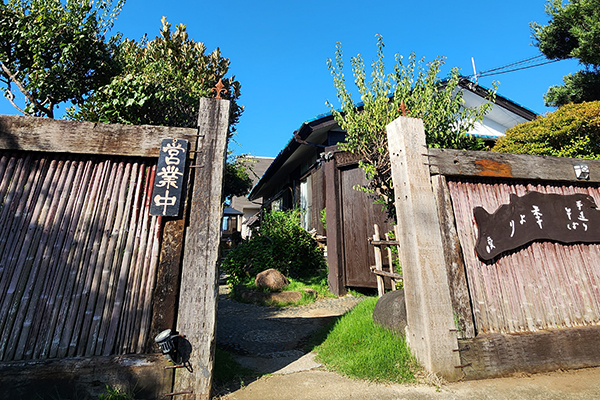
168,184
536,216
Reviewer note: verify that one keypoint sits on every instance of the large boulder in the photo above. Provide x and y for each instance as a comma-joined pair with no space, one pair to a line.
271,279
390,311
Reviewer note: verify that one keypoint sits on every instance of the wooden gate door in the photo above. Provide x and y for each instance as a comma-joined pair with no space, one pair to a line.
358,215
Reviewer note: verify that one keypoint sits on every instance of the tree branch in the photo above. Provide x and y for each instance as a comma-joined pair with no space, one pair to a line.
22,89
10,96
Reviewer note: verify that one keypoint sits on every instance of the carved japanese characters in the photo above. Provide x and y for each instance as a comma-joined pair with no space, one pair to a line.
536,216
168,183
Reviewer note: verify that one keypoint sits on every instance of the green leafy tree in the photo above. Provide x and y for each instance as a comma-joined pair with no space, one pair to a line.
572,32
52,51
413,89
237,180
571,131
161,82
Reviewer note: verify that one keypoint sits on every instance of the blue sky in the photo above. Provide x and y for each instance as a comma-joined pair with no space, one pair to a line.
278,49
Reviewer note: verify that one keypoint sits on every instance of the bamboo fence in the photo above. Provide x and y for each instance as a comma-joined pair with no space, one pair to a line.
542,285
78,255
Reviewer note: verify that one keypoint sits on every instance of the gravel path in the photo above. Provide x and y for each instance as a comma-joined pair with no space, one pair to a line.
251,330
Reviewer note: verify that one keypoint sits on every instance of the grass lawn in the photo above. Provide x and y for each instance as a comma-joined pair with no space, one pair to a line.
356,347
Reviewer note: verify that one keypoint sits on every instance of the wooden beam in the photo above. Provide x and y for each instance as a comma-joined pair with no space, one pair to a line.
52,135
164,298
495,355
378,263
383,242
199,278
455,266
79,378
506,165
431,333
385,273
335,260
168,277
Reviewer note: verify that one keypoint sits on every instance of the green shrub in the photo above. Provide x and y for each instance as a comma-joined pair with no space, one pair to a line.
280,243
571,131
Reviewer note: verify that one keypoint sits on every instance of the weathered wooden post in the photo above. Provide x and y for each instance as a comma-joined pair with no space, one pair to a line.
199,288
431,333
333,220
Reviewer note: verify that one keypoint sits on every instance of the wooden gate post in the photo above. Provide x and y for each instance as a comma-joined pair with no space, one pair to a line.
199,281
431,333
335,259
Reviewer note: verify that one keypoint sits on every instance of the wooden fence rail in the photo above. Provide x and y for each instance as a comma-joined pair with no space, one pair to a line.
377,269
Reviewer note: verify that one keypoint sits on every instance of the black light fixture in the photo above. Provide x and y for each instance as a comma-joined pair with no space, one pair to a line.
168,345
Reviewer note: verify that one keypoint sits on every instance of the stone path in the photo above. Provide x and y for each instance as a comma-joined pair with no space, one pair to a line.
267,339
270,340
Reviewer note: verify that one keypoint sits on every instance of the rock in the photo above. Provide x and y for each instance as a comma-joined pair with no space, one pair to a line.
271,279
284,297
390,311
311,292
265,298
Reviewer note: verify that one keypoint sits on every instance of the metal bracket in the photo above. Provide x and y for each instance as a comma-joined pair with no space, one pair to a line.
582,171
176,366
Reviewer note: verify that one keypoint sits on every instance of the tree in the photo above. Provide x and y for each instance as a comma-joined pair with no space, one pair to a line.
236,180
572,32
571,131
53,51
161,82
412,89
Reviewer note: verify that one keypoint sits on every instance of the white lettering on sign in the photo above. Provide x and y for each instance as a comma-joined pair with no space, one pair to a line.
538,215
169,176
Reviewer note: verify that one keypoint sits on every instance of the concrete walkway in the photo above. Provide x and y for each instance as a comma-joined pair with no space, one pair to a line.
581,384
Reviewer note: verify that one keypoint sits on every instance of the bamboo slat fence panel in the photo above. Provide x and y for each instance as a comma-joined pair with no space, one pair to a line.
542,285
78,255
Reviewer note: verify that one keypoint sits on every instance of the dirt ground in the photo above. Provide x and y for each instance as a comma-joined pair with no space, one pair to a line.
319,384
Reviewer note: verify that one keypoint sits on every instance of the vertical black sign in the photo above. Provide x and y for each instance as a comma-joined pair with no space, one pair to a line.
168,184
